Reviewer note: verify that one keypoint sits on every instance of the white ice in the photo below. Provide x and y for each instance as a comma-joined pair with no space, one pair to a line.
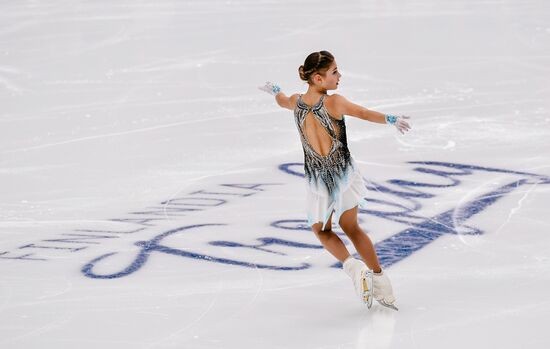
122,122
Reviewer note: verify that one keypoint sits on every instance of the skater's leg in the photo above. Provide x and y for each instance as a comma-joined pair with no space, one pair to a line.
381,289
330,240
362,243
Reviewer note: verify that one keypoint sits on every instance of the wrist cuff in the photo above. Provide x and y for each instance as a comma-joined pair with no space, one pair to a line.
275,89
390,119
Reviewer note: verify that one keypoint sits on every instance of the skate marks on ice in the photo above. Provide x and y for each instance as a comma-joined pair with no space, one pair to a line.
377,329
159,230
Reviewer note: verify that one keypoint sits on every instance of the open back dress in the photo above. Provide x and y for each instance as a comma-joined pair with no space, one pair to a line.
333,181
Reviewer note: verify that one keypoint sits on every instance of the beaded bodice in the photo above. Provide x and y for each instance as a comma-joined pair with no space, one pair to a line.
331,168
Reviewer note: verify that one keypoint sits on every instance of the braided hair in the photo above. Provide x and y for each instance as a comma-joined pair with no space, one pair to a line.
316,62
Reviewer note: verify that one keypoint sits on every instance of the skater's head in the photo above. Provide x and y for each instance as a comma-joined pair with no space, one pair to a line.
319,70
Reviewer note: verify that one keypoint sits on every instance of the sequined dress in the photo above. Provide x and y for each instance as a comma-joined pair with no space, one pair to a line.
333,182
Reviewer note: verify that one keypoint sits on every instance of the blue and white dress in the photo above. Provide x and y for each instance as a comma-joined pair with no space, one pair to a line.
333,182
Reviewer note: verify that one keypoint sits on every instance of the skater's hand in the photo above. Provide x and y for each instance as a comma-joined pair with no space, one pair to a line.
402,125
399,122
270,88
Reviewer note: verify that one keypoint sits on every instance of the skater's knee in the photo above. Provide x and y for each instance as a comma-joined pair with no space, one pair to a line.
349,226
352,230
348,220
326,229
317,228
320,232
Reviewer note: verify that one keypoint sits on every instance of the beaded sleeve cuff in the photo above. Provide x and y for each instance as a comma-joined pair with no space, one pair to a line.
391,119
275,89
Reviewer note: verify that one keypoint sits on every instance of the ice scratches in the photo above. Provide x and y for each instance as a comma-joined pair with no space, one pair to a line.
113,134
256,293
27,169
378,328
123,133
173,64
9,70
54,324
7,83
457,215
200,178
56,222
175,335
6,294
477,317
68,288
517,208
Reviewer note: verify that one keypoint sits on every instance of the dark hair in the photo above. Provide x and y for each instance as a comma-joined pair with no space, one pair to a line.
316,62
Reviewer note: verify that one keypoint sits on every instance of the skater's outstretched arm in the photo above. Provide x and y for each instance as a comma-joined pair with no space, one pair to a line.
280,97
286,102
345,107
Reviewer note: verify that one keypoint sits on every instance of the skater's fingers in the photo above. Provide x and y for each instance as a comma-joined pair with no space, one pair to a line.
404,126
264,88
402,130
404,123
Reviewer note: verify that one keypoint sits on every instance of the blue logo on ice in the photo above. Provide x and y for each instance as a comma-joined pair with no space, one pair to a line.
420,232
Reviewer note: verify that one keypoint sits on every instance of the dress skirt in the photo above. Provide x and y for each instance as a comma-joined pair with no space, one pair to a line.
350,192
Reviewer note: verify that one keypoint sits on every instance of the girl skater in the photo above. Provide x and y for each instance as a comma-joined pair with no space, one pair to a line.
334,184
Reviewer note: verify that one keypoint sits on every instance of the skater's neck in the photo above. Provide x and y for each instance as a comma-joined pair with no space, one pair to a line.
315,92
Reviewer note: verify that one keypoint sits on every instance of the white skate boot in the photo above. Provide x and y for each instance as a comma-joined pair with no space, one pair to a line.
383,292
362,279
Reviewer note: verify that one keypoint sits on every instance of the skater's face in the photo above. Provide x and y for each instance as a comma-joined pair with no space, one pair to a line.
331,79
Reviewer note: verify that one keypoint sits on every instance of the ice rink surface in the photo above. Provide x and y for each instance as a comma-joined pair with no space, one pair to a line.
153,197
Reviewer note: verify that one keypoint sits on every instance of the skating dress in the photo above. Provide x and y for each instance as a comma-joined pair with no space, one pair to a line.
333,182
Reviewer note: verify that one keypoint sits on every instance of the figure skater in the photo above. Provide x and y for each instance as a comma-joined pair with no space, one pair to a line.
335,187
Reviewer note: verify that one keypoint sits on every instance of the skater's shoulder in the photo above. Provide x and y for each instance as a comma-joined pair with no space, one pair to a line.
294,97
289,102
335,100
340,105
293,100
338,101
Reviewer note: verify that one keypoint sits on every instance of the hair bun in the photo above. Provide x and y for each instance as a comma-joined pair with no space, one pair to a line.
302,73
316,62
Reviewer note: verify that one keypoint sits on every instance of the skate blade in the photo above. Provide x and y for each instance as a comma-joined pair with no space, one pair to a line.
367,288
388,305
